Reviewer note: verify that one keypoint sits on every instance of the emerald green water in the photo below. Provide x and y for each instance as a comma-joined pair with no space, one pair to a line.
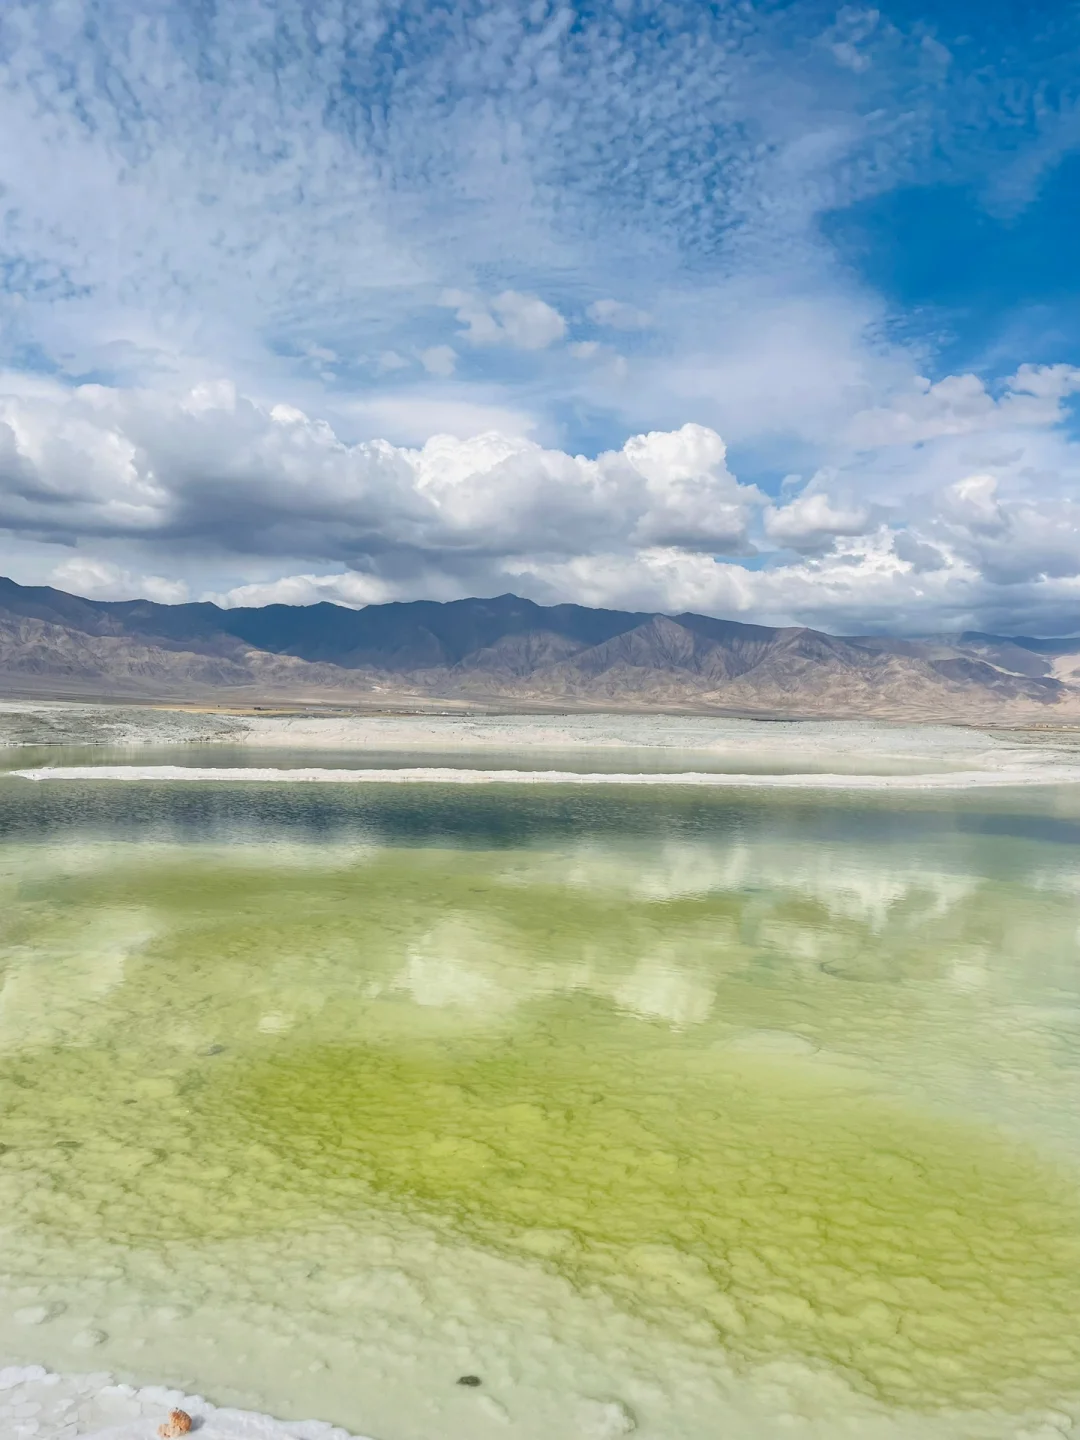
779,1079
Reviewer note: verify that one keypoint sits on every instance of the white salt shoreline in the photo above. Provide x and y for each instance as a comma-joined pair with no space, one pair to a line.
1039,772
38,1404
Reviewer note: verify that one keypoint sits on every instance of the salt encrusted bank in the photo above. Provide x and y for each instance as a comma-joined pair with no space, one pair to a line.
38,1404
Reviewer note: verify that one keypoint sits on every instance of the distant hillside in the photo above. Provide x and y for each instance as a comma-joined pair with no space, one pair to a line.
511,651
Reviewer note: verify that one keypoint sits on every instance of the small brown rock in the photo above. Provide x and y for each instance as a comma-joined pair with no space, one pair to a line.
178,1423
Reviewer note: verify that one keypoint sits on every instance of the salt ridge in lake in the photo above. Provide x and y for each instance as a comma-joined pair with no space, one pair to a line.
1039,772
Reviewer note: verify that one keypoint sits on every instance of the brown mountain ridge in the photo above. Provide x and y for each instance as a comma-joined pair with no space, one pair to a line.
512,653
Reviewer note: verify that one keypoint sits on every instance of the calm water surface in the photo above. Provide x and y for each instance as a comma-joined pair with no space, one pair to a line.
706,1114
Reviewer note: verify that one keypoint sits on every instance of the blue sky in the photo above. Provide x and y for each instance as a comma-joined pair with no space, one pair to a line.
366,300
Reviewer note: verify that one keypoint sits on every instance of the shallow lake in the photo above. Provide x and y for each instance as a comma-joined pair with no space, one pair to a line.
700,1113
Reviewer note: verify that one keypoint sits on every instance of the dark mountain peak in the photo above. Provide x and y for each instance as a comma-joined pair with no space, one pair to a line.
724,630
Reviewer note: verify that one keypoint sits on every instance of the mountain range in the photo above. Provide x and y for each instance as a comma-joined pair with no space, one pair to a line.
508,653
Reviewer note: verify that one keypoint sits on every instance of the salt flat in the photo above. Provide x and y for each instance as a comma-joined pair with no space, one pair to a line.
557,749
810,746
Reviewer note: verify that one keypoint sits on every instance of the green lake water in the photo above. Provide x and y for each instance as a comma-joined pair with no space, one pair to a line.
316,1098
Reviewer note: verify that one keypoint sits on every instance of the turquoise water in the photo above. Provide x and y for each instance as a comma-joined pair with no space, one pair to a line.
317,1098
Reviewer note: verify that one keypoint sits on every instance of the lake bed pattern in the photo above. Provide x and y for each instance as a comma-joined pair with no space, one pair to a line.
678,1112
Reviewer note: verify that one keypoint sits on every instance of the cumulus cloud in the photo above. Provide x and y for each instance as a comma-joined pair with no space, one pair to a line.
963,405
693,499
409,417
211,469
882,582
439,360
1011,540
143,487
859,585
973,502
524,321
917,554
99,580
812,521
349,589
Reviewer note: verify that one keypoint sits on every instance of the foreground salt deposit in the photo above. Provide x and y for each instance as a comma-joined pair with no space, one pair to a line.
37,1404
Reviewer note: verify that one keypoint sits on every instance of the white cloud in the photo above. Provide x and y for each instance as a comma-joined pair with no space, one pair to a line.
812,520
860,585
658,578
153,488
695,501
409,417
974,503
850,39
619,316
216,471
347,588
963,405
766,358
439,360
481,327
176,207
99,580
529,323
524,321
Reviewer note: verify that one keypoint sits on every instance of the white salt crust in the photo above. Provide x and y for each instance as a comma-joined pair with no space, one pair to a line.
1034,774
36,1404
